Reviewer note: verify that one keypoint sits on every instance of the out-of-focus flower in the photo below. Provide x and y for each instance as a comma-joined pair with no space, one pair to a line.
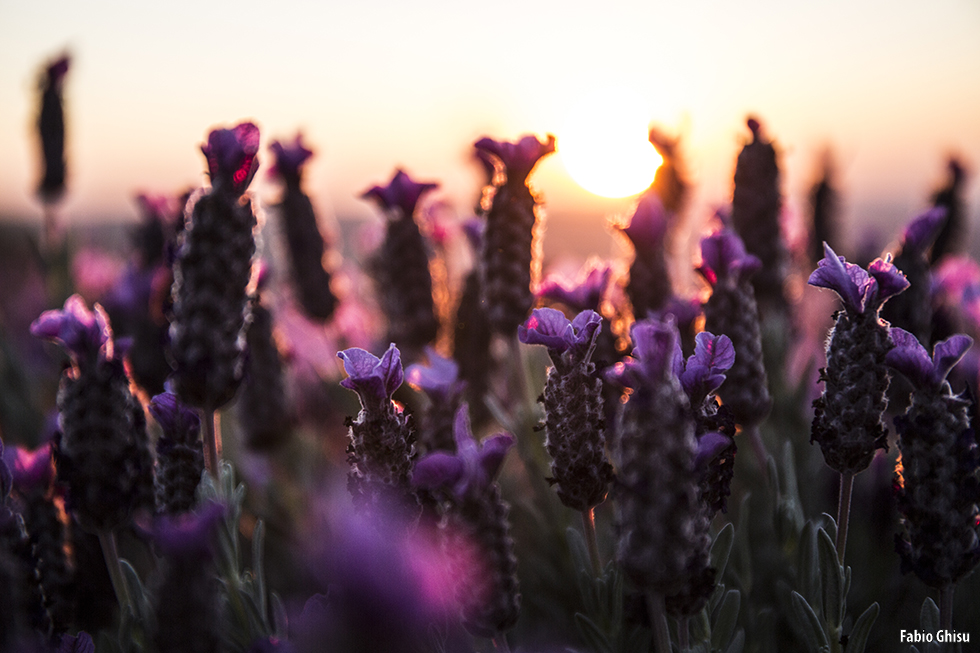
649,281
950,238
289,158
83,333
231,155
580,294
180,454
51,125
440,382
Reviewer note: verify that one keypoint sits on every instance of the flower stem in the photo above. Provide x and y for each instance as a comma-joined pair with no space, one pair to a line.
212,441
658,621
588,522
843,513
946,606
111,553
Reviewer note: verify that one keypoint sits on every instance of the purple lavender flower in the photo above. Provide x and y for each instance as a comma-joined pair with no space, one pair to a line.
212,273
441,384
103,454
649,282
180,454
382,440
573,405
936,478
508,260
186,608
263,406
81,643
732,310
847,422
303,237
401,266
486,573
584,293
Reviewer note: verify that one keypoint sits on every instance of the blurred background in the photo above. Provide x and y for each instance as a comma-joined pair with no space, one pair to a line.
888,89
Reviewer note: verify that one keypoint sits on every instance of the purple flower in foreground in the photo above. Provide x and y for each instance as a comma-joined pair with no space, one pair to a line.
401,193
81,332
710,446
518,158
372,378
231,155
911,359
705,370
582,293
289,158
860,290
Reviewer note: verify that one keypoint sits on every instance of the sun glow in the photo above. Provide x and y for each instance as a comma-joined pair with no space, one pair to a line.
604,144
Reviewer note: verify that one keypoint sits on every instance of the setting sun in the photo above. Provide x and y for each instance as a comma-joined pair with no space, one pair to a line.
604,144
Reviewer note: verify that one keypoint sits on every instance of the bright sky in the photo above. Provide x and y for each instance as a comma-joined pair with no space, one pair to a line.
892,86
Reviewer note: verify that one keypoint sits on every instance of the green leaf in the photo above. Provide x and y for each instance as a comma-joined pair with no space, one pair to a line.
807,562
700,625
726,619
721,549
929,616
862,628
738,642
280,620
579,550
137,593
592,634
639,640
807,624
831,581
258,545
831,526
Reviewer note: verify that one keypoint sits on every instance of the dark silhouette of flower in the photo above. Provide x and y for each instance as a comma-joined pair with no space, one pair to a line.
440,382
649,281
180,454
51,126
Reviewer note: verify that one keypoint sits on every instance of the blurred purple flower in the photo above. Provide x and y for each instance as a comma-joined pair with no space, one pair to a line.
231,155
656,354
648,226
921,233
174,416
474,466
189,534
401,192
710,445
81,643
550,327
289,157
723,256
911,359
29,469
370,376
439,379
518,158
583,293
705,370
6,478
859,289
81,332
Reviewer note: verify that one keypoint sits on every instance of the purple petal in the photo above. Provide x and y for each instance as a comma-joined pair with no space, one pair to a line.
437,469
723,256
6,478
362,373
649,223
290,157
889,279
548,327
231,155
910,358
174,417
493,452
190,533
391,370
710,445
947,354
439,379
466,446
656,349
82,643
518,158
30,469
921,233
80,331
586,326
579,294
847,280
705,369
401,192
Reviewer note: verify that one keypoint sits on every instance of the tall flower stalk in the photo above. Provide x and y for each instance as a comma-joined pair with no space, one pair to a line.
938,474
848,419
211,278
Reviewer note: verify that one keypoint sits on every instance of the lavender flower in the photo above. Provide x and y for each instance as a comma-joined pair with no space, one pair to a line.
382,440
937,476
664,533
912,309
756,206
573,406
732,311
212,272
585,293
669,183
441,384
306,245
401,266
103,454
508,259
180,454
51,126
263,405
186,615
847,423
487,588
649,282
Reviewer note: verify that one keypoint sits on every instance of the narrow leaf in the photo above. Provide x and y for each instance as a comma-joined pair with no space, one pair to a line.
721,549
258,547
738,642
591,633
929,616
808,625
862,628
831,581
726,619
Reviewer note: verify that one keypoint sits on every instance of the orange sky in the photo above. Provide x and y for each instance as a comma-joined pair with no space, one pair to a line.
891,86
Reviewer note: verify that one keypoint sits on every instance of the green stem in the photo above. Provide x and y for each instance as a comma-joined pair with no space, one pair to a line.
212,441
946,606
843,513
111,553
658,621
588,522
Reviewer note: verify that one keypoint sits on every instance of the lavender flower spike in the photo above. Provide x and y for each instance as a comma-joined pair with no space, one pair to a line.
583,293
372,378
81,332
550,327
847,422
649,284
401,193
231,155
180,454
518,158
441,383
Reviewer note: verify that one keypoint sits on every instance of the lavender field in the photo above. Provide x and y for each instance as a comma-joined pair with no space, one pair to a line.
235,426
